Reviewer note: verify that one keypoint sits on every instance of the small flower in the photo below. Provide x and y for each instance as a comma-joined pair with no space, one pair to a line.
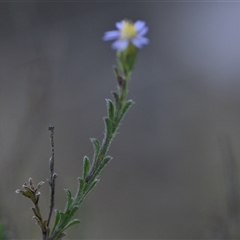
128,32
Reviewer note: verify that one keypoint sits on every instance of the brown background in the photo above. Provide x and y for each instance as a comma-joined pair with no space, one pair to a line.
174,173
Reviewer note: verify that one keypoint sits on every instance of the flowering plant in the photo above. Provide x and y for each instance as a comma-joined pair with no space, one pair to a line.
128,38
128,33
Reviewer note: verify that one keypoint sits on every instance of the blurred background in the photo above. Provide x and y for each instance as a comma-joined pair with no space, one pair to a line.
176,159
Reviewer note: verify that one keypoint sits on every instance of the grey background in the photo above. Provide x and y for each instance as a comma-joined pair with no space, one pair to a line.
174,173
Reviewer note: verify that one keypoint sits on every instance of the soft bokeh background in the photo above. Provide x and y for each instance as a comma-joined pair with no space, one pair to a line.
176,159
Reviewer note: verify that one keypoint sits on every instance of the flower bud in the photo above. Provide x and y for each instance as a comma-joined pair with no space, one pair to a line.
127,58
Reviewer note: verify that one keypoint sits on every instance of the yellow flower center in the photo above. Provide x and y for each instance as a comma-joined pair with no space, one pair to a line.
128,30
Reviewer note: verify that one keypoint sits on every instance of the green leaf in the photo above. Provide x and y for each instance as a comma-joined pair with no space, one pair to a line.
72,222
60,236
80,189
65,218
106,160
96,144
86,166
96,147
81,184
69,194
103,163
111,109
71,212
116,98
69,199
90,186
125,108
58,219
108,127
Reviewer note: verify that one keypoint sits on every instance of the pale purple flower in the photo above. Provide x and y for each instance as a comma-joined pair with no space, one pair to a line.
127,33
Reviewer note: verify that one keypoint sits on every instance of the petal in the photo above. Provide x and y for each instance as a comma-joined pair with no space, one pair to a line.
111,35
140,41
145,40
119,25
143,31
120,44
139,25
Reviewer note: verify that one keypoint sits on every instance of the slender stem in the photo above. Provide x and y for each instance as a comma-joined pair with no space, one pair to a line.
108,138
40,221
124,91
52,175
88,182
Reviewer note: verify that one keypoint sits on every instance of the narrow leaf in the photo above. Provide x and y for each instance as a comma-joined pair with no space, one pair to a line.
61,235
96,147
69,199
116,98
96,144
69,214
80,189
108,127
69,195
81,184
86,166
90,187
57,219
125,108
72,222
111,109
64,219
104,162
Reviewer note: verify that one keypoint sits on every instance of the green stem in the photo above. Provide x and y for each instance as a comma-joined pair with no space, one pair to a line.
108,139
85,185
124,91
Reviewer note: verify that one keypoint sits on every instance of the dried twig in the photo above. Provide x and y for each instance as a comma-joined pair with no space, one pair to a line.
53,175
